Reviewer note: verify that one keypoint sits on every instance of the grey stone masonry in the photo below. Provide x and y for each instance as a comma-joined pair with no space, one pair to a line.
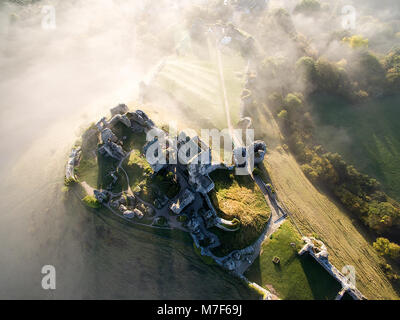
317,249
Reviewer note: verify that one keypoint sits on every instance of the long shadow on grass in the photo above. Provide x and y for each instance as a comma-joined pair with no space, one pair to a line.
322,285
254,272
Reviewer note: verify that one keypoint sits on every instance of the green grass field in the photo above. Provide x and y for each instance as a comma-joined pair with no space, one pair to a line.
88,171
94,168
139,172
136,166
91,202
295,277
367,136
196,84
132,140
95,172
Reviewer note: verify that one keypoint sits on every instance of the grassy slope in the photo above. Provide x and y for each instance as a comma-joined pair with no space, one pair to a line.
107,165
196,84
94,168
367,136
139,170
88,170
88,166
136,166
238,197
95,172
295,277
316,213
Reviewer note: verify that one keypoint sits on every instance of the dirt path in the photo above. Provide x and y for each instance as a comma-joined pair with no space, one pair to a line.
315,213
89,190
277,217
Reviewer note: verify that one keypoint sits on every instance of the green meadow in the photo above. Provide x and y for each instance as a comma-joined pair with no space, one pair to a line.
366,135
196,84
294,277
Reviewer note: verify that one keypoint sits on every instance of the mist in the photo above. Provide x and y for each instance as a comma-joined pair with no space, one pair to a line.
56,79
54,82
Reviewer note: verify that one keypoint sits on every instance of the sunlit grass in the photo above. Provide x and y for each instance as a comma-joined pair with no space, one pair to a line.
196,84
238,197
294,277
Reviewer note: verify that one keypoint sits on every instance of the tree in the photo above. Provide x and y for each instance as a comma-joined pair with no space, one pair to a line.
284,20
392,67
381,245
356,41
386,248
308,7
361,95
283,114
293,102
327,76
381,216
394,250
370,74
310,172
91,202
306,65
338,163
393,77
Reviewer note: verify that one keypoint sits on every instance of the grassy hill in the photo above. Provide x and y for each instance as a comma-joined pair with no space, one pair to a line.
295,277
317,214
238,197
367,136
195,84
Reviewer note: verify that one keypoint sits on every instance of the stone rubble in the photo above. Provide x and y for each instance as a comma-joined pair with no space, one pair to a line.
317,250
72,162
